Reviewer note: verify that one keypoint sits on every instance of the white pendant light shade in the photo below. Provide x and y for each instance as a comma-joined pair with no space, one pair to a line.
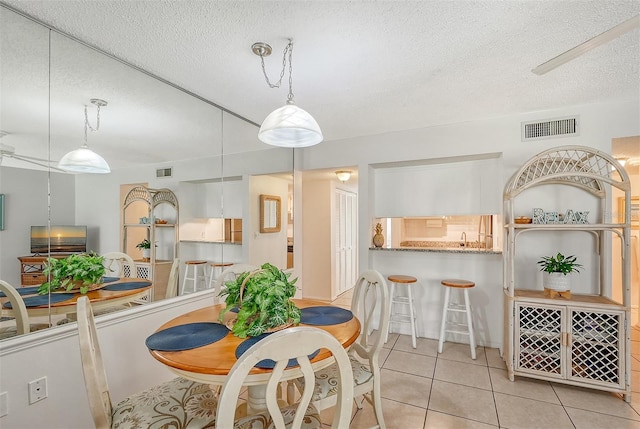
290,126
84,160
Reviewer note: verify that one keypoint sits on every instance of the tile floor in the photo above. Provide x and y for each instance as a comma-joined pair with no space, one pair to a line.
421,389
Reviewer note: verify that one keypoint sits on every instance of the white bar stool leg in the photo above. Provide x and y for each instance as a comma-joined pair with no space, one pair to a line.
211,278
412,316
391,295
472,338
445,309
184,280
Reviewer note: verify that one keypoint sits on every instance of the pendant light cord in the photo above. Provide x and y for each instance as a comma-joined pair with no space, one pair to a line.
287,50
87,125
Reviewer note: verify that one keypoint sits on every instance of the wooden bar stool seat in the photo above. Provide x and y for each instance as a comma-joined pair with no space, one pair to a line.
448,306
216,269
197,265
399,302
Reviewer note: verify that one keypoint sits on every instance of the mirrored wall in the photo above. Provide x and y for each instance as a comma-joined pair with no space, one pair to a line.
155,136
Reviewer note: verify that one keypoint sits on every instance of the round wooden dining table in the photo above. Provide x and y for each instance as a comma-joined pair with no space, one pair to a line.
99,298
210,364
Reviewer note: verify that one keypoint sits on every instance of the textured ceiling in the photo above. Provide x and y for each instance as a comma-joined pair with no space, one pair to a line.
368,67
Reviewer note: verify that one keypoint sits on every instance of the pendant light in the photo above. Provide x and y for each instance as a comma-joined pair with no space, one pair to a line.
84,160
288,126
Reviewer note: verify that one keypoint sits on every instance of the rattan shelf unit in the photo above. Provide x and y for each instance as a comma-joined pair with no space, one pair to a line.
583,340
155,269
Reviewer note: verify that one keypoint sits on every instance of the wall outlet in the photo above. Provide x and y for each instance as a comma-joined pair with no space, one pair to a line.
37,390
4,404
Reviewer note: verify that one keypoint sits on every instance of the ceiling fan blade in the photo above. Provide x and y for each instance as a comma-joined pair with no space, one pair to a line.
27,159
590,44
30,157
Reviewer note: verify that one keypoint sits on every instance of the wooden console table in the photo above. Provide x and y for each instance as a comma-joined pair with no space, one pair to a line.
31,268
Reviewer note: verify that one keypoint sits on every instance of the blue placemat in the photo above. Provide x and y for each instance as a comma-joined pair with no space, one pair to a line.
24,291
185,337
110,279
36,301
324,315
265,363
126,286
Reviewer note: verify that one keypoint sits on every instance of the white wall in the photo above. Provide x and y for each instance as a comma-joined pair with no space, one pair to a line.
26,204
55,353
317,257
443,189
599,124
267,247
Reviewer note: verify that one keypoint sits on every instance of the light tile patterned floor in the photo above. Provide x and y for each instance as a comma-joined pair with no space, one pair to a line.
424,390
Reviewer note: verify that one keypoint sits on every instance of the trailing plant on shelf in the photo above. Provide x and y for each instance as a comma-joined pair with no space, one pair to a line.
559,264
262,299
80,270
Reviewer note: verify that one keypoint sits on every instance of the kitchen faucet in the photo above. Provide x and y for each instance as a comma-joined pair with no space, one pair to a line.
463,238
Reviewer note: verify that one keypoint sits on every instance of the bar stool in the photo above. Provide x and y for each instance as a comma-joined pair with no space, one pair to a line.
197,265
465,285
406,301
216,269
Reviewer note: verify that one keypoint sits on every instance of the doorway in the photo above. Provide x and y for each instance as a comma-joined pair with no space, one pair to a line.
329,227
627,150
346,239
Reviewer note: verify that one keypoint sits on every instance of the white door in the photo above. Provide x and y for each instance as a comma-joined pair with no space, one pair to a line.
345,230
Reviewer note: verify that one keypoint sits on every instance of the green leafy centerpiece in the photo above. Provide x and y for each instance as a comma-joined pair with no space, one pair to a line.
262,301
78,272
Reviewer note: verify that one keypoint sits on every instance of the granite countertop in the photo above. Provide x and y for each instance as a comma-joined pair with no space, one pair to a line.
439,250
440,247
212,242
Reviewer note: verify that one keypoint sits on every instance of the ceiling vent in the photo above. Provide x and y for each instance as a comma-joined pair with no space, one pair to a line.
163,172
561,127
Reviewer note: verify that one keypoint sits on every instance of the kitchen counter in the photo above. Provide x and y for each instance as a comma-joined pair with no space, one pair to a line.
212,242
452,249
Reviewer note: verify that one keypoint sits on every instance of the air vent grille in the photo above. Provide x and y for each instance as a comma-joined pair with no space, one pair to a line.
561,127
164,172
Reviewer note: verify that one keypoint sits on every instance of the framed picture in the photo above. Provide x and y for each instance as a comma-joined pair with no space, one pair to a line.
269,213
635,210
1,212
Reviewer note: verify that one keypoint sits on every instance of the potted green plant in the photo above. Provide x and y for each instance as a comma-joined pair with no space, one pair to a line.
262,300
145,246
556,269
80,271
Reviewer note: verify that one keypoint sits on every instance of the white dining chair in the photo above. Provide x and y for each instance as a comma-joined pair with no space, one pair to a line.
178,403
172,283
20,314
229,274
370,304
298,342
118,264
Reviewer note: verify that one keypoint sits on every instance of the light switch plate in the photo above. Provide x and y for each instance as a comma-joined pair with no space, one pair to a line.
37,390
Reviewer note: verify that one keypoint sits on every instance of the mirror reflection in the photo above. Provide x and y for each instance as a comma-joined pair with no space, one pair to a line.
184,182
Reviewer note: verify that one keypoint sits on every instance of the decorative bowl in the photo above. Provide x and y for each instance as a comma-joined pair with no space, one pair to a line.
522,220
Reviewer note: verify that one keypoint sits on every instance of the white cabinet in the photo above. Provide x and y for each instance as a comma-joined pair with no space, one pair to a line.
163,205
583,339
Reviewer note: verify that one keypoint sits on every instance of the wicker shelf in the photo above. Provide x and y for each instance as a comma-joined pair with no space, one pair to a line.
154,269
583,340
